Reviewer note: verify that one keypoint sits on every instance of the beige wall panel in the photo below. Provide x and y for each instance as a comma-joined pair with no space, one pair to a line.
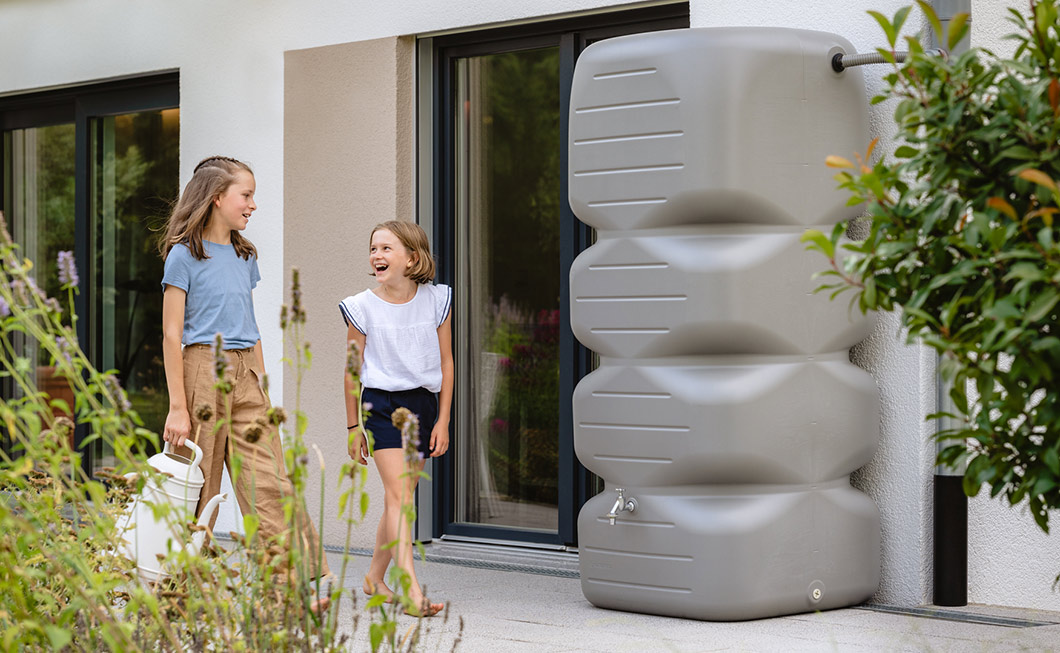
348,165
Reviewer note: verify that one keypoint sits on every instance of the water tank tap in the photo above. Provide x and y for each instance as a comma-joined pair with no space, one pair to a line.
622,504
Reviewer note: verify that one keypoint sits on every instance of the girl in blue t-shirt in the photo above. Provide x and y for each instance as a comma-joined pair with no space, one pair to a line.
210,271
402,329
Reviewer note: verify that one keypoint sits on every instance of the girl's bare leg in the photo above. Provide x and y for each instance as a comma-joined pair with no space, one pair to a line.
375,579
399,489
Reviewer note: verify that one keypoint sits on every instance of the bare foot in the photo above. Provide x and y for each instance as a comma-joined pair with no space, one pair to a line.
426,609
371,588
320,606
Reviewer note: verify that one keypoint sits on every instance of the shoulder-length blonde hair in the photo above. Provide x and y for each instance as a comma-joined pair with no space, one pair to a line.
414,239
211,178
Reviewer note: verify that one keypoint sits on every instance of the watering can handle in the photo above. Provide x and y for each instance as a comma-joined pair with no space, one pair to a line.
196,452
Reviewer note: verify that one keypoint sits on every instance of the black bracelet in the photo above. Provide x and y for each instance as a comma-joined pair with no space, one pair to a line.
351,427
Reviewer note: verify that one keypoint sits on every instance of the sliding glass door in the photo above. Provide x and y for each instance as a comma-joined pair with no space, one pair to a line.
134,177
39,208
96,176
507,215
506,239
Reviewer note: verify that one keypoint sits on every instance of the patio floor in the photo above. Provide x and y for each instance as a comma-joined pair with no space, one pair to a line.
510,607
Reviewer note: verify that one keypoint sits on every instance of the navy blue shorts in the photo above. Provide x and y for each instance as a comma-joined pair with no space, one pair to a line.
422,402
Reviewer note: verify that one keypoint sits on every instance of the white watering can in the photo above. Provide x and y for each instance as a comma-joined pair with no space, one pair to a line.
144,535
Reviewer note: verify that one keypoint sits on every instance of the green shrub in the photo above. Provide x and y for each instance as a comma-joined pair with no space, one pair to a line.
963,241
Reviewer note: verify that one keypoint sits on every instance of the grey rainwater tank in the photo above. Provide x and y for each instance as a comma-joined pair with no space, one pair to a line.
725,405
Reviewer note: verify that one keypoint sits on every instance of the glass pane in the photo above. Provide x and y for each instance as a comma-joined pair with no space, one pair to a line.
39,205
508,277
134,181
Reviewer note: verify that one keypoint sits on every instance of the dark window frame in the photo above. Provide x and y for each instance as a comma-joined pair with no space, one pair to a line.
80,104
572,36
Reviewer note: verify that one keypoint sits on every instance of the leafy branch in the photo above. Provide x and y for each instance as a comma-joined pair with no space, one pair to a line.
962,240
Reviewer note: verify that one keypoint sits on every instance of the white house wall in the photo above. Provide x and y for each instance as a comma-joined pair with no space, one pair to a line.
231,61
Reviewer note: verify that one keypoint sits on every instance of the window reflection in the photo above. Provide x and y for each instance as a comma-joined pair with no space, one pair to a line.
39,203
134,182
133,178
508,273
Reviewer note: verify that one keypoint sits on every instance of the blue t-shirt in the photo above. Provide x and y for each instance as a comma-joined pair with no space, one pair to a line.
219,294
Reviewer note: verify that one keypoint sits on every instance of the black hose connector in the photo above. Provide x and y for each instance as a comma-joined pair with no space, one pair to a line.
841,61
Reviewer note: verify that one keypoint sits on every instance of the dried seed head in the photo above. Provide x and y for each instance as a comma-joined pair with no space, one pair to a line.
297,312
409,424
203,412
277,415
129,482
253,433
400,417
64,426
220,361
353,359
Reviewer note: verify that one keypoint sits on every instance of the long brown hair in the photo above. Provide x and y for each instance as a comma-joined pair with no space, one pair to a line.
211,178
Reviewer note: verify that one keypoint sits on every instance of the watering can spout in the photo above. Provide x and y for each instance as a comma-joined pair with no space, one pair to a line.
204,521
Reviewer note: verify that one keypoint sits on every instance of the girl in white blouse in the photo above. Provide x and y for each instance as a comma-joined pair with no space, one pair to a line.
402,329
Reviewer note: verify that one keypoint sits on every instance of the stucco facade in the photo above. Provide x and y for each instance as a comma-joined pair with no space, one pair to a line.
321,99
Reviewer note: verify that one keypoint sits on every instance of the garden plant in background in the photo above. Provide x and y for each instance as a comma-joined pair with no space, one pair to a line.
63,583
523,410
962,240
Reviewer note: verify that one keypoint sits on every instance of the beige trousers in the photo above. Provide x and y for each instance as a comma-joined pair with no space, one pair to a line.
262,482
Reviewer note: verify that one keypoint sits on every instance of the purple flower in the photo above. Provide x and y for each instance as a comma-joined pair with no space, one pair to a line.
64,349
367,406
121,402
68,269
18,289
5,310
499,425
